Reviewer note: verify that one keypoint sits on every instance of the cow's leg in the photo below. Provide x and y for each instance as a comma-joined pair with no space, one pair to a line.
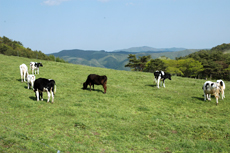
24,76
222,94
48,93
21,76
52,94
205,96
41,94
164,83
32,84
28,85
209,96
38,70
37,95
155,80
158,81
217,96
90,86
105,87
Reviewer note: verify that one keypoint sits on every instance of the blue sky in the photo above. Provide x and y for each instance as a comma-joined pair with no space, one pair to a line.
54,25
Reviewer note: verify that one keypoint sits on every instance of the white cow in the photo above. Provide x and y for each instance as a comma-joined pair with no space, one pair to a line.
23,72
211,88
222,87
30,81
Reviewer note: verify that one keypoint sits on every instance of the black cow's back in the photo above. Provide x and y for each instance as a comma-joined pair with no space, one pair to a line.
42,83
96,79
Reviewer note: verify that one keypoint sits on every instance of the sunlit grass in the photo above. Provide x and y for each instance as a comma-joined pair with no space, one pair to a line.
133,116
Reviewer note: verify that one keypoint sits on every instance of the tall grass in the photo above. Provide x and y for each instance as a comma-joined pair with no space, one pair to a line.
133,116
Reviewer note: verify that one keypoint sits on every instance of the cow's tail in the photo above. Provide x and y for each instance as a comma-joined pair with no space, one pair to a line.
105,80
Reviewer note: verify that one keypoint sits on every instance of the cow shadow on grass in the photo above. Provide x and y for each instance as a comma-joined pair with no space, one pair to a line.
199,98
92,90
151,85
19,80
34,98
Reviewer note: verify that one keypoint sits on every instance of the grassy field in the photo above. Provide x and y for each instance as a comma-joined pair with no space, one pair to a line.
133,116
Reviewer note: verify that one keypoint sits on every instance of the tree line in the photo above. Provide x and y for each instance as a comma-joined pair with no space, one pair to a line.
16,48
213,64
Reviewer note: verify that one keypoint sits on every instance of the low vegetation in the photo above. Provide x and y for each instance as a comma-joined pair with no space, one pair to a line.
133,116
15,48
213,64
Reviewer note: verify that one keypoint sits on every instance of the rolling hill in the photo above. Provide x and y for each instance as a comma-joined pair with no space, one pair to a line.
116,59
133,116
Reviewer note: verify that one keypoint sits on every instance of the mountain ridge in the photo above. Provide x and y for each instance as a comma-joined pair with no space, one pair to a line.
115,59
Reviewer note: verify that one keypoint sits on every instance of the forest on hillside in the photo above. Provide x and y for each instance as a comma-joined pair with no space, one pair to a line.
213,64
15,48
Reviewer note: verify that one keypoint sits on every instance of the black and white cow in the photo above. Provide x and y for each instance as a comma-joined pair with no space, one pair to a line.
44,85
34,66
161,76
211,88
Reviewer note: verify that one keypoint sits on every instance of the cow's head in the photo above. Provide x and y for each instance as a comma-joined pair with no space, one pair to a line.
84,85
40,64
169,76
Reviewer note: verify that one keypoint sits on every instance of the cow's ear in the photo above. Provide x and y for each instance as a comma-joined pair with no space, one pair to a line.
212,84
221,83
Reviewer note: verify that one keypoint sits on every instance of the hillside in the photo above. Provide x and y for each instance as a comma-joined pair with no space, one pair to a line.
133,116
15,48
113,60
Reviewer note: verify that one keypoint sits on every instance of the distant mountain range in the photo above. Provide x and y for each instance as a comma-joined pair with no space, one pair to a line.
118,59
150,49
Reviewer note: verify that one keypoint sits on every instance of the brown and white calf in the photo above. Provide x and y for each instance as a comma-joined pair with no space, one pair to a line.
23,72
222,87
211,88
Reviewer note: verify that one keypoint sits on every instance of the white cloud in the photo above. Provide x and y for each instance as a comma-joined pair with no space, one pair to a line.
54,2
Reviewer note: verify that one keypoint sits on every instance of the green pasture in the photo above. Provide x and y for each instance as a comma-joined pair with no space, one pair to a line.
133,116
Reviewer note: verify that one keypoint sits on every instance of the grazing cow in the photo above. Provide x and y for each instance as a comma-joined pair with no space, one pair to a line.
95,79
161,76
34,66
211,88
44,85
222,87
30,80
23,72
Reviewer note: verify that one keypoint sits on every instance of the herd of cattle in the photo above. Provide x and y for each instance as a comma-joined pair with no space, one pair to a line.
48,85
38,85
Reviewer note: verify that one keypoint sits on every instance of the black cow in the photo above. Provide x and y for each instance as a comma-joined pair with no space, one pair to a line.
161,76
95,79
44,85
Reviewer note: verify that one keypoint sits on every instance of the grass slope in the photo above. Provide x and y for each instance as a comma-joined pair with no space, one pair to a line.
133,116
